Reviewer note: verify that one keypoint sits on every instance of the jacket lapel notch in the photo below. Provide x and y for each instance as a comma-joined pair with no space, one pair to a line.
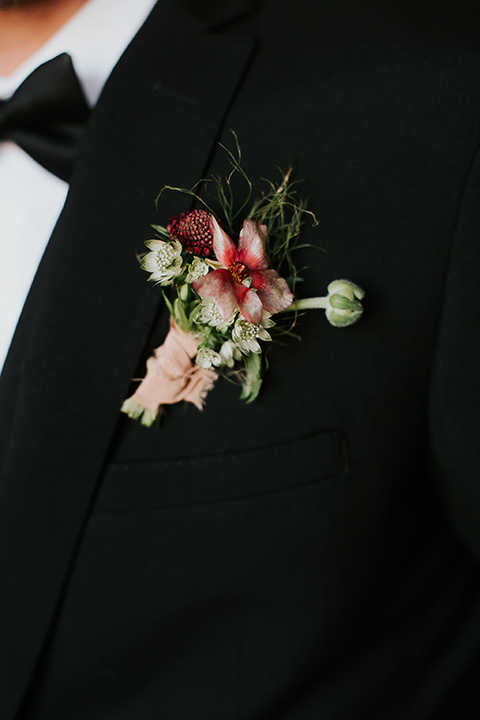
218,13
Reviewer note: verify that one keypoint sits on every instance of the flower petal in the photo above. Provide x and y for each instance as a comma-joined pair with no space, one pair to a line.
218,284
272,290
251,245
223,246
249,303
149,262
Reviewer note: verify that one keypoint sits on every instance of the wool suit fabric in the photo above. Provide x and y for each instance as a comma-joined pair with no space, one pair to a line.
314,554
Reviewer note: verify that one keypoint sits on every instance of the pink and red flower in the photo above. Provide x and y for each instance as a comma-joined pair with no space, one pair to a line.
245,281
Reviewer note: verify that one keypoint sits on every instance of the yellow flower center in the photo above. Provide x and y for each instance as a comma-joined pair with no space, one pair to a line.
238,271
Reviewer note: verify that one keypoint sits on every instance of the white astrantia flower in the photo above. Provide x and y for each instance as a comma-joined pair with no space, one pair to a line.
197,269
245,334
164,262
207,358
209,314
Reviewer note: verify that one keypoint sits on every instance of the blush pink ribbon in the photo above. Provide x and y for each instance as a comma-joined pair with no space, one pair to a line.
172,374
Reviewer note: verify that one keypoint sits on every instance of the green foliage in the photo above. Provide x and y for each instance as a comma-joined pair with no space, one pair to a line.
253,378
279,207
162,232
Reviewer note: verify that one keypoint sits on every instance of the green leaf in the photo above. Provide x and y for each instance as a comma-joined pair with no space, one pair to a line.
180,315
193,307
168,303
161,230
253,379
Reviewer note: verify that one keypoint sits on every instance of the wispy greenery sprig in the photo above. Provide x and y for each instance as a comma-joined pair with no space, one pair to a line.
279,207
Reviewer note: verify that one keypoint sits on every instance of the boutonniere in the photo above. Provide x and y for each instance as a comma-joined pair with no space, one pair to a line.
233,280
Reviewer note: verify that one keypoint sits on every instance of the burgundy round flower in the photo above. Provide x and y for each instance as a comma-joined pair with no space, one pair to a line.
193,231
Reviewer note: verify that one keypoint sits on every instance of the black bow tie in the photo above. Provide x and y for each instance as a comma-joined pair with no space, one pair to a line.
47,115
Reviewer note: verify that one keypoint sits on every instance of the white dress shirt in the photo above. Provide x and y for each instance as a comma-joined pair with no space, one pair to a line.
31,198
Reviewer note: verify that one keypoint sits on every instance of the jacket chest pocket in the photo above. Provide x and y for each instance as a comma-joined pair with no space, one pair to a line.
227,476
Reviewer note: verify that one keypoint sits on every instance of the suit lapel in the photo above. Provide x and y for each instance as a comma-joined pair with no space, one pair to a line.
93,310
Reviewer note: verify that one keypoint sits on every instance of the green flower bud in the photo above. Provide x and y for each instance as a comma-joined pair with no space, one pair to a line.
343,303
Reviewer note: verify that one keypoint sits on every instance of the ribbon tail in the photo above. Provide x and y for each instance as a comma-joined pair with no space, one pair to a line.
172,376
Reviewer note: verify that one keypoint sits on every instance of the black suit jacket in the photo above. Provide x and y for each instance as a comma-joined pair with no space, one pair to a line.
315,554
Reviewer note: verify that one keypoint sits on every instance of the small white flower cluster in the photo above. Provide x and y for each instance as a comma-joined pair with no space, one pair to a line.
246,335
209,314
197,269
164,262
207,358
243,340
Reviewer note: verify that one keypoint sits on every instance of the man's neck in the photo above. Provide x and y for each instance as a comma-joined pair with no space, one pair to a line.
25,27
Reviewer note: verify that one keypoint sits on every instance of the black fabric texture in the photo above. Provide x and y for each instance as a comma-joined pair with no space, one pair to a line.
314,554
47,116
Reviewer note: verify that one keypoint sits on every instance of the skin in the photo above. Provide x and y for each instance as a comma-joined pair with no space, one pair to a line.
25,25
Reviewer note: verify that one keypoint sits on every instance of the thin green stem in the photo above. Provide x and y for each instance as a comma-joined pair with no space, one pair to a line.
316,303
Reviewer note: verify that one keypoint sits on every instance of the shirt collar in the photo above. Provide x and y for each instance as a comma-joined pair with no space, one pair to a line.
94,50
